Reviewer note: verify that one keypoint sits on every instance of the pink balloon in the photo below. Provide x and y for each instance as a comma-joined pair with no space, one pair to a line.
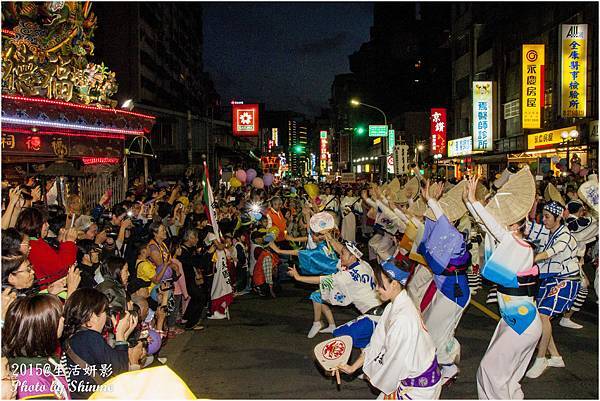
241,175
268,179
258,183
250,175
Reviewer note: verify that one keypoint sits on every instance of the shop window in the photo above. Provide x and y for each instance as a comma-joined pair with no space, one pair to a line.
511,109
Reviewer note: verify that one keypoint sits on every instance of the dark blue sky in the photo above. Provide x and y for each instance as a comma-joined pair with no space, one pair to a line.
283,54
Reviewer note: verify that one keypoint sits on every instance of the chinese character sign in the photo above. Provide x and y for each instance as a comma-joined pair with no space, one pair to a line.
245,119
438,131
533,85
573,70
460,147
323,143
483,121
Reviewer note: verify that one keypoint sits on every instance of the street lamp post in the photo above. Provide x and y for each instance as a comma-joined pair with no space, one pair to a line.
355,103
437,158
567,138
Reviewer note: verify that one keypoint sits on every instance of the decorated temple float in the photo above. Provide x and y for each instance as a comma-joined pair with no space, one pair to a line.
56,105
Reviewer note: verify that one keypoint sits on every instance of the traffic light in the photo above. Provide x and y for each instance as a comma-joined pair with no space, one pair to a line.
360,129
298,149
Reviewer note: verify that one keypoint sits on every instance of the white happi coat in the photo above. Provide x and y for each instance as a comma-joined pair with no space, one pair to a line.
400,348
356,285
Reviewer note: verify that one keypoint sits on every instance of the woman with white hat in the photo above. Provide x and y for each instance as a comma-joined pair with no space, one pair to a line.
511,266
319,258
559,274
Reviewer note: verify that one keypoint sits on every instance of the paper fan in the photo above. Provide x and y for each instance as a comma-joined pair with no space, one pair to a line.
552,193
333,352
588,192
513,200
412,188
451,203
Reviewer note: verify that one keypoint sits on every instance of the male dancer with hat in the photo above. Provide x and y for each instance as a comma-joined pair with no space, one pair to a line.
585,230
559,275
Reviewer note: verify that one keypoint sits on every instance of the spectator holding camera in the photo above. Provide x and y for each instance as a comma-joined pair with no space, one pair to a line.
49,264
88,260
86,313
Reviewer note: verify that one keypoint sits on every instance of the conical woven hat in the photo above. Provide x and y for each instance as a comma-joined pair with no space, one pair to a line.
553,194
395,193
412,188
588,192
451,203
448,186
481,192
418,208
514,200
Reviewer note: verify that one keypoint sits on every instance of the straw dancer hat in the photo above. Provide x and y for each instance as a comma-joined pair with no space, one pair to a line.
412,188
451,203
588,192
551,193
514,199
395,193
418,208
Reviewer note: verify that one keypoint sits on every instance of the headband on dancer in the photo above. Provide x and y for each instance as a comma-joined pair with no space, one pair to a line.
555,208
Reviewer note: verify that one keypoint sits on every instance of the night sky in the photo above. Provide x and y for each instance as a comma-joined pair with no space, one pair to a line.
283,54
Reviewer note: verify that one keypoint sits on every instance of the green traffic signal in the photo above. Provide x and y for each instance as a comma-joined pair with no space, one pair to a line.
360,130
298,149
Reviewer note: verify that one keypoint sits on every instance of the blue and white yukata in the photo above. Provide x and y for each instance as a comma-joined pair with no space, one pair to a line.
355,285
518,332
559,273
444,249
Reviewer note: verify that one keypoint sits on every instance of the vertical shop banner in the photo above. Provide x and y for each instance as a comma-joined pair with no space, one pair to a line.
323,151
438,131
573,70
245,119
483,119
533,86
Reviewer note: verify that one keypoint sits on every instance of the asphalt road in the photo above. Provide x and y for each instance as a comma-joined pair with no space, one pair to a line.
263,352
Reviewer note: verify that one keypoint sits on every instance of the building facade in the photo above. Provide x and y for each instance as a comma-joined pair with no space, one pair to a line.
157,51
487,45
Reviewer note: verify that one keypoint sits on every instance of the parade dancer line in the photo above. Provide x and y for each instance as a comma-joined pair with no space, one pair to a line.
559,272
400,360
445,251
518,332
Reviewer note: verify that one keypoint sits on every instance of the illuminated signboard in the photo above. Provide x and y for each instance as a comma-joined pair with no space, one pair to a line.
391,141
275,136
533,85
323,151
438,131
546,139
573,70
483,118
460,146
245,119
378,130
